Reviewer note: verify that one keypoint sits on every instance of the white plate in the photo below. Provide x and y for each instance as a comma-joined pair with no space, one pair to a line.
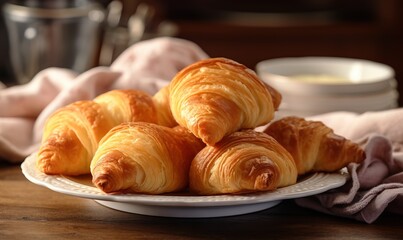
367,102
362,76
183,205
284,111
323,105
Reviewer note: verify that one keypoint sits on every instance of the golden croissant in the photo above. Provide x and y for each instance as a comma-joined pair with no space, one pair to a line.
244,161
161,101
72,133
144,158
215,97
313,145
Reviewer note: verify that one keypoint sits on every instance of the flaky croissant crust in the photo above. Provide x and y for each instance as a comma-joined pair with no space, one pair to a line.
161,102
313,145
144,158
72,133
218,96
127,105
66,146
245,161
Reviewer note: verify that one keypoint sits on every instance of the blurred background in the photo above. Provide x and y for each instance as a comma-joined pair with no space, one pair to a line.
252,31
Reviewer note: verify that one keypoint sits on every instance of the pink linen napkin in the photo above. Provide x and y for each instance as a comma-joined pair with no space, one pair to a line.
147,66
376,185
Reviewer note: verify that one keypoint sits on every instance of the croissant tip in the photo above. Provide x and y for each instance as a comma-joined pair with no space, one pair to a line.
264,181
208,138
47,163
104,183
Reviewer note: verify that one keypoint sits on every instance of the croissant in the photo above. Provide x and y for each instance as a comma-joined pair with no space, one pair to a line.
244,161
313,145
72,133
161,101
215,97
144,158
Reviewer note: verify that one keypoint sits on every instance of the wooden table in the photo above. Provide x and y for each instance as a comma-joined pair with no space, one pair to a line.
29,211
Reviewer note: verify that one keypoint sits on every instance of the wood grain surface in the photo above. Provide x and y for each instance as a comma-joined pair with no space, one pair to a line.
29,211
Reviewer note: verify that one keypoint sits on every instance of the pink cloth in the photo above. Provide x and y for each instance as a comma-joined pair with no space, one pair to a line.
376,185
147,65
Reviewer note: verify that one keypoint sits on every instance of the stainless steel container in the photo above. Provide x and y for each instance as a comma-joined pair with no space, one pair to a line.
52,33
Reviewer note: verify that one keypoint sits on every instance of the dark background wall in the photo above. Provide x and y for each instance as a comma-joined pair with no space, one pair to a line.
254,30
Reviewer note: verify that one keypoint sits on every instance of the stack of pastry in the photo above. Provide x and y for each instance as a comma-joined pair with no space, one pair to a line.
196,134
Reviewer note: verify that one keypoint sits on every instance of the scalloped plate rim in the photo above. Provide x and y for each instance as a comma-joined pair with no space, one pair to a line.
310,185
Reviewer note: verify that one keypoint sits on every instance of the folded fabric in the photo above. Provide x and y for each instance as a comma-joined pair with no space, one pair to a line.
358,126
376,185
147,66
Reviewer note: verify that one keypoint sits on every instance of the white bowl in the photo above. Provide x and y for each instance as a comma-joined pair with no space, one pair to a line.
328,75
353,103
283,112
